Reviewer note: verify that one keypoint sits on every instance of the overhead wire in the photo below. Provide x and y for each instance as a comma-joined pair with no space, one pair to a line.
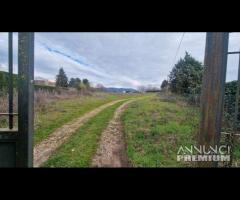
177,50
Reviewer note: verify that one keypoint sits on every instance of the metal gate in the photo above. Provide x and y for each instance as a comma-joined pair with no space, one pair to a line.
16,143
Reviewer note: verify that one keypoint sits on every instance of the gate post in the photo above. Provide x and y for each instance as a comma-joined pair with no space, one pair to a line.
25,99
213,88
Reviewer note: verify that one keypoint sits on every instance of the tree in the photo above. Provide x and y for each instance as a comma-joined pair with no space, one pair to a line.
186,76
86,83
164,84
71,82
100,87
61,79
74,82
77,82
142,88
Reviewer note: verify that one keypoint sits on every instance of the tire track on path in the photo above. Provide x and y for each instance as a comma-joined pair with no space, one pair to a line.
47,147
112,148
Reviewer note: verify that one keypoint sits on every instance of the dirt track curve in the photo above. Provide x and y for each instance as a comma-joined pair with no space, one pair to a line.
45,149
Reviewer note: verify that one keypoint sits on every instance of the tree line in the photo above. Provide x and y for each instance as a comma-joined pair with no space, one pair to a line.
62,81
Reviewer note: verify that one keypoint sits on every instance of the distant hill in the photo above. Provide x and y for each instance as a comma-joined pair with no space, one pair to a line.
120,90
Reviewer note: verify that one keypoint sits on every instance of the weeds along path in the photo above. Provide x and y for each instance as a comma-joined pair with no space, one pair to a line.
45,149
112,149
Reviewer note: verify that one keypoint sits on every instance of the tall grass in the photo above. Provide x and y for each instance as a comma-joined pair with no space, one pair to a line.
4,109
42,99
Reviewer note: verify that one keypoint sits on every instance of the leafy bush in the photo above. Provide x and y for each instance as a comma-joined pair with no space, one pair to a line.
229,104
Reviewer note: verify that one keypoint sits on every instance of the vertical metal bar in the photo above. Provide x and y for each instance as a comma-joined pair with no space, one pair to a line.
10,84
237,100
236,113
213,87
25,98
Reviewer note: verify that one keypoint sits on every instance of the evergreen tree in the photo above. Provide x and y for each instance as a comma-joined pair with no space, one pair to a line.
74,82
71,82
186,76
77,82
61,79
86,83
164,84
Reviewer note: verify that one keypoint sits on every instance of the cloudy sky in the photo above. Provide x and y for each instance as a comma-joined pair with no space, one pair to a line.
115,59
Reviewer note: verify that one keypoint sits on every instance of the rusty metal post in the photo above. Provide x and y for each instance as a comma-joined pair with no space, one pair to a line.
213,89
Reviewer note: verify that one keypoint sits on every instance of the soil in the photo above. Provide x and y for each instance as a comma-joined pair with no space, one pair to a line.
112,147
47,147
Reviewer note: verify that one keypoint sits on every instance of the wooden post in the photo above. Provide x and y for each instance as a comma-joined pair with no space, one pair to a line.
213,88
25,99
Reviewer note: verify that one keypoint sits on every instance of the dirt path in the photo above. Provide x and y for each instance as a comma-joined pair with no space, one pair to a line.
112,148
45,149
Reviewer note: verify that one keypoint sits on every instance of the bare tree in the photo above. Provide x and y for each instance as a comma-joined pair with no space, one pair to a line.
141,88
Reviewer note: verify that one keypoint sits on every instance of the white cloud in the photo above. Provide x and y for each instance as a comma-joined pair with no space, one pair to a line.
115,59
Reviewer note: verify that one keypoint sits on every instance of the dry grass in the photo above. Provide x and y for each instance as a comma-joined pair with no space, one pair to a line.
42,100
4,109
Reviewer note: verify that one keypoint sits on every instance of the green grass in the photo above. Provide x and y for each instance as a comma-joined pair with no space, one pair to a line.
79,149
61,112
236,158
155,128
236,150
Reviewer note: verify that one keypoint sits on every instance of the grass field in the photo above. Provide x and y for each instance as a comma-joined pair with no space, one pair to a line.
79,149
60,112
156,127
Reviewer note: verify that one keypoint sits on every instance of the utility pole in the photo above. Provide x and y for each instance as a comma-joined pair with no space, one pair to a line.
213,88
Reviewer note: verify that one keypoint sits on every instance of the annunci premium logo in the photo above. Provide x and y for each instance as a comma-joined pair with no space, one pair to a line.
202,153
